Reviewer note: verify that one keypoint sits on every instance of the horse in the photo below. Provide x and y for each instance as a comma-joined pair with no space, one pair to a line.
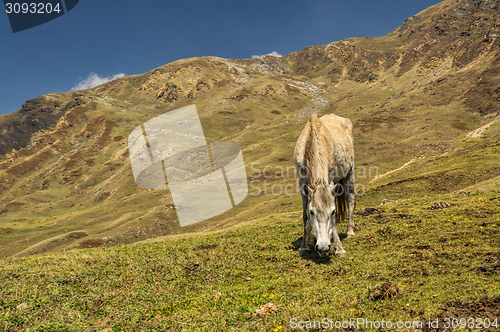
324,158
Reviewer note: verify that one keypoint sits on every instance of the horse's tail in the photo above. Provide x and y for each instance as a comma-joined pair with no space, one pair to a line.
341,200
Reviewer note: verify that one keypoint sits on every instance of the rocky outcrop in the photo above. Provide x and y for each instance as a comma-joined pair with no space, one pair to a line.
17,128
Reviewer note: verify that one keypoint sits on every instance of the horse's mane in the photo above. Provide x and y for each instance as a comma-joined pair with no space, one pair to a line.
316,165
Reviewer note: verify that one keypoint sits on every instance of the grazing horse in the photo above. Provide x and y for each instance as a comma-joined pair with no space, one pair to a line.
324,157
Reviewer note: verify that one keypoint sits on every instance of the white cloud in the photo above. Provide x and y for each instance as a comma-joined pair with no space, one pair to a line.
94,80
273,53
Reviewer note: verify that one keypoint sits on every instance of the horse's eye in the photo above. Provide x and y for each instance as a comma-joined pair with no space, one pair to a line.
311,212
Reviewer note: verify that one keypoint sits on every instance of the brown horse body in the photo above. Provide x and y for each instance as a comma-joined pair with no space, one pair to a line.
324,157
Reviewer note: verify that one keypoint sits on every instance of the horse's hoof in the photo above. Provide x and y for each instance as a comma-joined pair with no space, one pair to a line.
341,254
303,251
350,234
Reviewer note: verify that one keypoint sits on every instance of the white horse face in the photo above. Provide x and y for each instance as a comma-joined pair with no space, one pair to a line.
321,223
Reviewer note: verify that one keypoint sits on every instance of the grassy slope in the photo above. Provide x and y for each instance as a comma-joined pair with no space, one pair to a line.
429,257
433,258
438,263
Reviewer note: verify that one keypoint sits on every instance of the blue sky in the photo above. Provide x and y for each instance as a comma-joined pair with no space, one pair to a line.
102,39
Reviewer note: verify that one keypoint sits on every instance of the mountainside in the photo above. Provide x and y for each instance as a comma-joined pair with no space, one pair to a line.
413,97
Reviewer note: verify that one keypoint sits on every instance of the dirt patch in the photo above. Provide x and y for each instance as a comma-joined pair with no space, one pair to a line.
6,230
484,307
76,235
89,162
103,196
489,270
384,291
369,211
459,124
90,243
374,122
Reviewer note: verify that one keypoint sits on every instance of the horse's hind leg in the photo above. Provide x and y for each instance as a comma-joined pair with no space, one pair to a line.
304,248
351,202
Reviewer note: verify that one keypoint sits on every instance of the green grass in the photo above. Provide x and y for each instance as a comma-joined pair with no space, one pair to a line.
430,257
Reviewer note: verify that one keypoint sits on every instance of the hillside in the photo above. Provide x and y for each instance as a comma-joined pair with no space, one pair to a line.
65,175
82,248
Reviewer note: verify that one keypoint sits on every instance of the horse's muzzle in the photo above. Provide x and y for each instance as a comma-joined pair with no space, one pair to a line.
323,251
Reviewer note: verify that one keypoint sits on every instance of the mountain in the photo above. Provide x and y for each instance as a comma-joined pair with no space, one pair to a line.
413,96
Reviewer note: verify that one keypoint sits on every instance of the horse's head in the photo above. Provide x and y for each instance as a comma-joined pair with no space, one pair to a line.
320,210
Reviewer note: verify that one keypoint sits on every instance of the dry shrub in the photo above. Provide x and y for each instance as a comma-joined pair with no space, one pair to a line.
267,309
440,205
384,291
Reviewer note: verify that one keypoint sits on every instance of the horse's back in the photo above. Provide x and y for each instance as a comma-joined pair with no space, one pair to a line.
338,126
341,131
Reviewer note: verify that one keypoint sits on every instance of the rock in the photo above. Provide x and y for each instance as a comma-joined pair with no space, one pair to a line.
23,305
386,201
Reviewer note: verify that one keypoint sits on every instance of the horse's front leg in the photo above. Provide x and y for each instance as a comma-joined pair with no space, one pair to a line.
339,250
